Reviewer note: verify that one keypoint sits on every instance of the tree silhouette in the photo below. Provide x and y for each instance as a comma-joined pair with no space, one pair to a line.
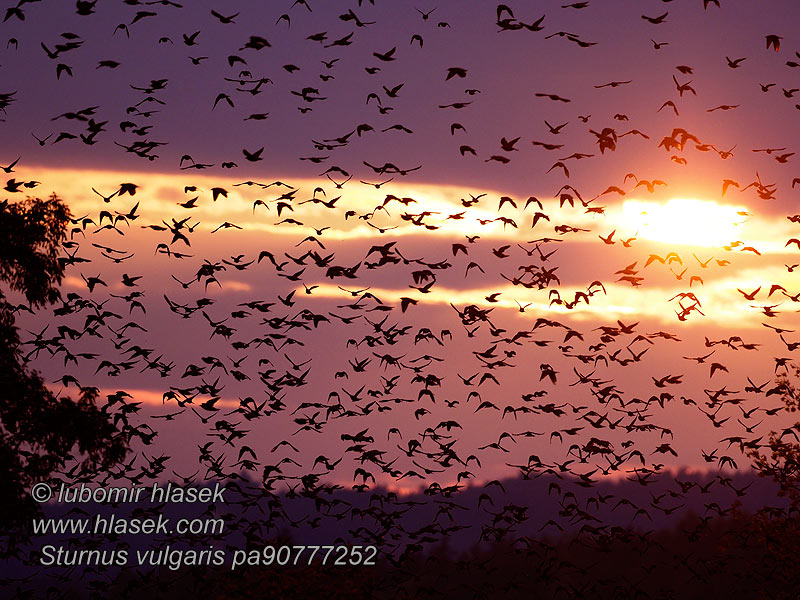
40,431
782,462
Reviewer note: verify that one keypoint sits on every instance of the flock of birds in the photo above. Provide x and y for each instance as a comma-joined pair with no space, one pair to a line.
441,397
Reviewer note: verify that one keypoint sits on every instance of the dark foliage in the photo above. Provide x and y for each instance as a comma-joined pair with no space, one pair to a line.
32,232
782,462
741,556
39,431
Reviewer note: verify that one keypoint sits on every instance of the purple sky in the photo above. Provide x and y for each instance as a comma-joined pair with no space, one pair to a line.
504,70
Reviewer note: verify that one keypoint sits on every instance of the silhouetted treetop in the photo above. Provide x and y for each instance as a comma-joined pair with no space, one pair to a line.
32,232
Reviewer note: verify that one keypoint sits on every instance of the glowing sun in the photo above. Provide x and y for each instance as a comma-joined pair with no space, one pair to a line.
685,221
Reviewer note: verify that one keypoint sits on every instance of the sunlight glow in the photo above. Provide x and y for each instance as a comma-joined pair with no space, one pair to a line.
685,221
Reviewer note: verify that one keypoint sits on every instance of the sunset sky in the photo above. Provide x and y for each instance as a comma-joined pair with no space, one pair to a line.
644,174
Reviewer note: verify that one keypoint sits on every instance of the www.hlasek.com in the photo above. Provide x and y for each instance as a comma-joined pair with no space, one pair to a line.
117,526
